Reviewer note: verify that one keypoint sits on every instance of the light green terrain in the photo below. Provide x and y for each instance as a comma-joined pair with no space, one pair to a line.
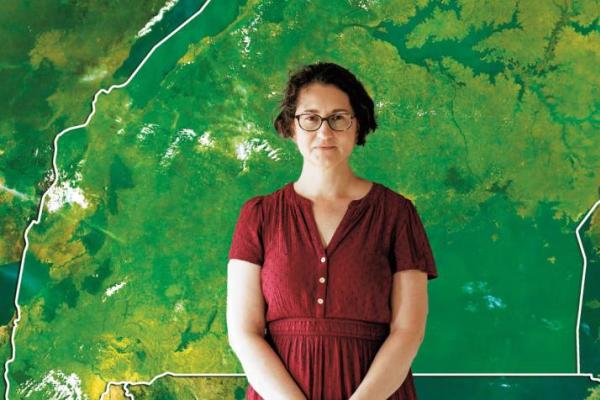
488,120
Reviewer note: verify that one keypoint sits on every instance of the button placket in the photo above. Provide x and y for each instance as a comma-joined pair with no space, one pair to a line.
354,209
321,288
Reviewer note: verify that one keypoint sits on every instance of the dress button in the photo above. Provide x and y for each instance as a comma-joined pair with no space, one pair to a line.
320,300
322,279
323,259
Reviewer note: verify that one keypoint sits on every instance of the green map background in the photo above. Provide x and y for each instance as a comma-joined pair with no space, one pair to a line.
488,119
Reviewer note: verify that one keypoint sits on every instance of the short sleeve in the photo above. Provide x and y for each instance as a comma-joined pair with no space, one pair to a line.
410,245
247,241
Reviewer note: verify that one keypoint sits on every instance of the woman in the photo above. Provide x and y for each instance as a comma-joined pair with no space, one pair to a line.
327,278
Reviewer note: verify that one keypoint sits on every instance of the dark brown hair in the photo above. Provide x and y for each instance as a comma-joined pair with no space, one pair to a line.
332,74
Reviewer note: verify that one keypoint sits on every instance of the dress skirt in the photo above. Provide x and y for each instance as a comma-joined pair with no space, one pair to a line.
329,358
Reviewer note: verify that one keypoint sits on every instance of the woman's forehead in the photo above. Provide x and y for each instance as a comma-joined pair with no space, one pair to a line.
322,98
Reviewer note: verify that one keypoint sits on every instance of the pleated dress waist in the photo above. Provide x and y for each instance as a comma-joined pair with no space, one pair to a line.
310,326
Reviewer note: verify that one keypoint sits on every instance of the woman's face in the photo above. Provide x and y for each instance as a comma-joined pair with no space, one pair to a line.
324,147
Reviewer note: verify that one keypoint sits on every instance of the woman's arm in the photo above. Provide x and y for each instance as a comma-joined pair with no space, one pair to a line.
245,330
407,329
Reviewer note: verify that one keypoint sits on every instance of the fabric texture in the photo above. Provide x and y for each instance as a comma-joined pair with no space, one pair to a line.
328,308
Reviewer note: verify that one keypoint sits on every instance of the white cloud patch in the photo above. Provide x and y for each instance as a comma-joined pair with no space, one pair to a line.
156,19
183,135
147,130
56,385
66,192
113,289
246,31
245,149
205,140
94,75
366,4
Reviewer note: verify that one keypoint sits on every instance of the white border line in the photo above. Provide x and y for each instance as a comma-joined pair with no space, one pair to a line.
127,384
578,323
129,395
56,175
590,376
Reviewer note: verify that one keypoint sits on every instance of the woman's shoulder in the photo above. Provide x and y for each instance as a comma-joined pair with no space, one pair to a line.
253,204
266,200
393,198
251,209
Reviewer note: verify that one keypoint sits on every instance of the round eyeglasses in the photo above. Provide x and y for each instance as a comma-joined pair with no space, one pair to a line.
337,121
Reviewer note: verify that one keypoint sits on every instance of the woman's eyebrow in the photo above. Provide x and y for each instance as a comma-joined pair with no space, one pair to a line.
336,110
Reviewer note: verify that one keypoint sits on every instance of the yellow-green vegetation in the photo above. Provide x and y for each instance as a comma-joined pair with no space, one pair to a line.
488,120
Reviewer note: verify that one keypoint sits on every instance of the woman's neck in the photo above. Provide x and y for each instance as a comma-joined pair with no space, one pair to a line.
328,184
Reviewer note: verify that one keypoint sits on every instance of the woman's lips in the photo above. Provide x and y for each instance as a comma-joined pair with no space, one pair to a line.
325,147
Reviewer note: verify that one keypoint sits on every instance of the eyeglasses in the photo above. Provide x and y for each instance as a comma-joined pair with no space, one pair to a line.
337,122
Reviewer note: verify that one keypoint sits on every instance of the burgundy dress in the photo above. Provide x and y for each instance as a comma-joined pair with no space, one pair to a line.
328,309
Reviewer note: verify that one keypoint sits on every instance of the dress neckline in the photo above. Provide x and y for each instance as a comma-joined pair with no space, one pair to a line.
353,203
355,207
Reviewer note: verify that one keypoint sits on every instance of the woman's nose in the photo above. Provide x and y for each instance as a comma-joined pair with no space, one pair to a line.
325,130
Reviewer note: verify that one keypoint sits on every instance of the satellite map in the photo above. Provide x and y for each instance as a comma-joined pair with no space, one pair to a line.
132,132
